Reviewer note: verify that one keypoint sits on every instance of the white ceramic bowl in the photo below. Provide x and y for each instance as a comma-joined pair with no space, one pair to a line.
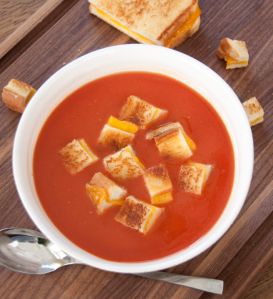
126,58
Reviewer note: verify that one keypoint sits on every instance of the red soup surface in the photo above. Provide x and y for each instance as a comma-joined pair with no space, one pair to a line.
82,115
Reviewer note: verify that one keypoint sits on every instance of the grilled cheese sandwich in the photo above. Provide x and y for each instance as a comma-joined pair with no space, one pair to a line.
166,23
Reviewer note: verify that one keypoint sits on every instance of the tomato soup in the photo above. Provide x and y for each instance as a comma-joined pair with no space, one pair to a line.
82,115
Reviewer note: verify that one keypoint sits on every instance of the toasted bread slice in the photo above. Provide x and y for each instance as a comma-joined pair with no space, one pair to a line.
254,111
141,112
193,177
234,52
124,164
138,215
159,184
117,133
104,193
77,156
16,95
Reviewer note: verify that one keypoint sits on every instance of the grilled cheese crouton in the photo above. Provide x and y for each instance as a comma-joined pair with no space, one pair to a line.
104,193
159,184
234,52
16,95
124,164
193,177
117,133
172,141
254,111
77,156
173,145
138,215
141,112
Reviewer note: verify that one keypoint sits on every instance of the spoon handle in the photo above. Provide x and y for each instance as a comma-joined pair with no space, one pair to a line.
210,285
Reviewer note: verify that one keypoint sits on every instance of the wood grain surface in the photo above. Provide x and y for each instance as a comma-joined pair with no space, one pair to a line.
243,258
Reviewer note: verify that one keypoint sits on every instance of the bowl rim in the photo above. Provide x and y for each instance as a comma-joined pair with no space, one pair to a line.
56,236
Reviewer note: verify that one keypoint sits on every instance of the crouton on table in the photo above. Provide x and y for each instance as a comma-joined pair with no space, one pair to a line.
254,111
16,95
234,52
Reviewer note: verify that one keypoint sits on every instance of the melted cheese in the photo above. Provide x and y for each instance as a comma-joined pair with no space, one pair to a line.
129,150
97,194
185,27
189,141
231,61
162,198
122,125
109,19
87,150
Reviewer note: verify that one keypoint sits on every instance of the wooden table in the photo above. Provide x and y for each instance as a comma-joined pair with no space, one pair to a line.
39,37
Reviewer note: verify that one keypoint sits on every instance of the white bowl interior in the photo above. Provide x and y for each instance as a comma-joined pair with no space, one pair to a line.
126,58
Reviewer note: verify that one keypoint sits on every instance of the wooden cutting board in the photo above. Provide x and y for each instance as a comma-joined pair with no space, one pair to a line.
64,31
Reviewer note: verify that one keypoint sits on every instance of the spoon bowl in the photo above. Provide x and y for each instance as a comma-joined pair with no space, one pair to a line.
28,251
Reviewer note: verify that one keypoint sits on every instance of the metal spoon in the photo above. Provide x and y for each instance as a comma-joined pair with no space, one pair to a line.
28,251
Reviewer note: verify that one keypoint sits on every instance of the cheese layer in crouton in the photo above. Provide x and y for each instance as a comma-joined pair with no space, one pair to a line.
141,112
159,184
16,95
117,133
138,215
254,111
234,52
124,164
193,177
77,156
104,193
